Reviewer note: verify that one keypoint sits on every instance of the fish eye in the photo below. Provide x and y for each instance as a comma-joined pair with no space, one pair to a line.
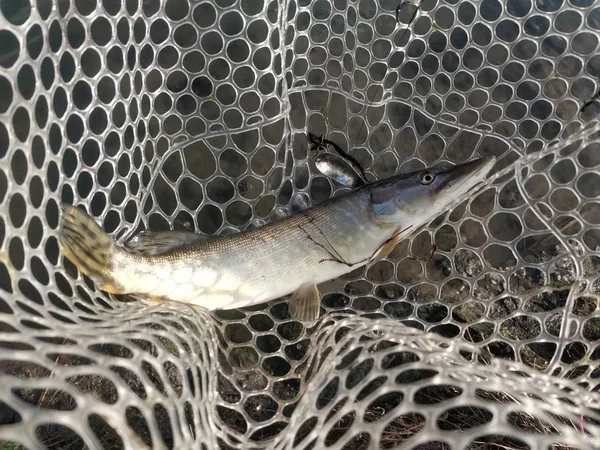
427,177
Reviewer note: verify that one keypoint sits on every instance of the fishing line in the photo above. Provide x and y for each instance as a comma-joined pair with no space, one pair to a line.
417,4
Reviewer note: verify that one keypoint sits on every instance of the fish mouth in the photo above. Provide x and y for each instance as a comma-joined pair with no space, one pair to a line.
476,168
465,177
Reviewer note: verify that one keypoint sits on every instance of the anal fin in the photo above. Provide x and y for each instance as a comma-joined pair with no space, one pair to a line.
151,300
154,300
305,304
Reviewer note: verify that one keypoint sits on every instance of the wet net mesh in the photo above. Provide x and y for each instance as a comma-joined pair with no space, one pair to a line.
192,115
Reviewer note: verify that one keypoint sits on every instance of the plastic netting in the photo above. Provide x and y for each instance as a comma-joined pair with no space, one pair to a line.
192,115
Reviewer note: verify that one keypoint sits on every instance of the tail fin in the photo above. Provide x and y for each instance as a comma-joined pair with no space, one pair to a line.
87,246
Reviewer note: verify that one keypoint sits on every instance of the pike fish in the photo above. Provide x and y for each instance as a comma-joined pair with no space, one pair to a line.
288,256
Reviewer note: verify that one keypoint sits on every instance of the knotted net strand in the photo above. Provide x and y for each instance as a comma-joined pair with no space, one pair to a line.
192,115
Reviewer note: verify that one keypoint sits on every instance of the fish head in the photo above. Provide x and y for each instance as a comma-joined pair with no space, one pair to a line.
416,197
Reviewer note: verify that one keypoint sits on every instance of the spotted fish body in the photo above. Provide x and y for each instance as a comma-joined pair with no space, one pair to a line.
290,255
262,264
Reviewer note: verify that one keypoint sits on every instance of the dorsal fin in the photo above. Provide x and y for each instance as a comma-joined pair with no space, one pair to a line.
152,243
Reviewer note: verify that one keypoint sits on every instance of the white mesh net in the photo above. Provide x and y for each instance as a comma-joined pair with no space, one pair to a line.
184,114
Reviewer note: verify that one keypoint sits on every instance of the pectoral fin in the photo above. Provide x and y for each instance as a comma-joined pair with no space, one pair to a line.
388,246
305,303
152,243
385,249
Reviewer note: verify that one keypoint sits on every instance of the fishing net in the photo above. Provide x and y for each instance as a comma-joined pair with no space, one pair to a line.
480,331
